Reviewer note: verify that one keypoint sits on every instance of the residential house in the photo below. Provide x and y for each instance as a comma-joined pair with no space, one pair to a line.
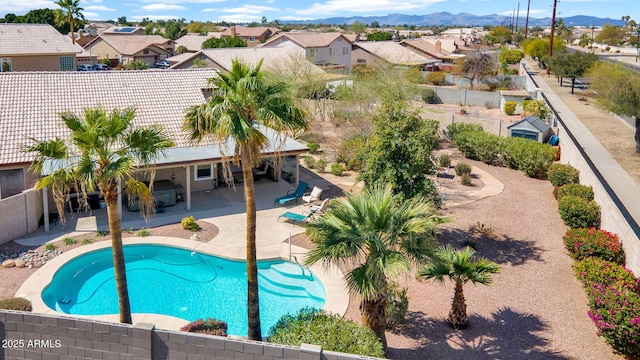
193,42
442,49
253,36
35,47
330,51
124,30
123,49
30,104
390,52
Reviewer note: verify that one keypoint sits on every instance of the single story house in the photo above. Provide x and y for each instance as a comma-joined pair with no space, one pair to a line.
252,35
390,52
123,49
532,128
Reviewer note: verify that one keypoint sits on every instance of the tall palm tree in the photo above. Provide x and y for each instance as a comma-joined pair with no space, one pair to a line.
380,237
70,11
102,150
461,267
241,101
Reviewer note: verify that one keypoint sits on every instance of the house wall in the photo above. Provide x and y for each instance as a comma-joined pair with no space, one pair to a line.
20,215
38,62
361,57
102,50
71,338
323,55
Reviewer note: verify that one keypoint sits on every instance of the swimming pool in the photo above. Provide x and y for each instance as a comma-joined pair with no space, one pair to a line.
185,284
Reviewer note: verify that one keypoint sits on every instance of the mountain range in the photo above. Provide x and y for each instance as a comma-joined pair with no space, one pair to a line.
462,19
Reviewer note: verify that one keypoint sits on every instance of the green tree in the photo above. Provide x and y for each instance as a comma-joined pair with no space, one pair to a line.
241,100
227,42
460,267
510,56
44,16
571,65
70,12
500,35
122,20
610,35
181,49
358,27
399,152
383,236
137,65
379,36
537,108
477,66
539,48
103,149
173,29
618,89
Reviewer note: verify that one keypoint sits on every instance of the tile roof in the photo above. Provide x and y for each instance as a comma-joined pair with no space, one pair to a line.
124,30
534,121
246,31
394,53
131,44
308,39
33,39
30,102
193,42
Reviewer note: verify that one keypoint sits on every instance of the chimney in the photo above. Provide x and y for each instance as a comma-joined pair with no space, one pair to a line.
438,46
233,31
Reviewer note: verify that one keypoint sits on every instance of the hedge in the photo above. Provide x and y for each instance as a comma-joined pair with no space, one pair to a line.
583,243
582,191
577,212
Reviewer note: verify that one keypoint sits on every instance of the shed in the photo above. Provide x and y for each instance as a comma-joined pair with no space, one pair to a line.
532,128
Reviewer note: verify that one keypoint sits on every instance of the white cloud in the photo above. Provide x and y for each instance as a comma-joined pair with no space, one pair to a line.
357,6
240,18
91,15
21,8
249,9
162,7
154,17
98,8
168,2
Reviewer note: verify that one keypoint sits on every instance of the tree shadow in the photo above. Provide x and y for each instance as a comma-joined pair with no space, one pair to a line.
499,248
506,334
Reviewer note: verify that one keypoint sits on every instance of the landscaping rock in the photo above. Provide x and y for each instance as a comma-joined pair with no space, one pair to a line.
9,263
20,263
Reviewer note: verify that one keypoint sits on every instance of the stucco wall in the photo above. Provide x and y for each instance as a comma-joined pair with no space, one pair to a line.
466,97
20,215
38,63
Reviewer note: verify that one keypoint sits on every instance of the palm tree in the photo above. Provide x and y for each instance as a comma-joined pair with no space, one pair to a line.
102,150
460,267
379,236
70,11
241,101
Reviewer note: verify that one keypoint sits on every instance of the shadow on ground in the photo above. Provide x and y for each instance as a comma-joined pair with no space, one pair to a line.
507,334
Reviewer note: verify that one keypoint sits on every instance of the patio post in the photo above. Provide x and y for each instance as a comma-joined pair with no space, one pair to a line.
188,177
45,208
120,198
297,171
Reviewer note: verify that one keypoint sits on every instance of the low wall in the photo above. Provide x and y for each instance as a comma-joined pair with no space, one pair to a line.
466,97
20,215
35,336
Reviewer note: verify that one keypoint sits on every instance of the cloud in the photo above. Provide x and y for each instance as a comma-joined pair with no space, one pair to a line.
21,8
249,9
153,17
98,8
357,6
170,2
91,15
162,7
240,18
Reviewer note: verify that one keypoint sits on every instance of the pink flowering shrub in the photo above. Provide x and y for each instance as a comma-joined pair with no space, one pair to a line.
582,243
592,271
208,326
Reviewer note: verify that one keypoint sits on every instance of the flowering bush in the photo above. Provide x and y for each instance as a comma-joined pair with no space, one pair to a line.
582,243
208,326
592,271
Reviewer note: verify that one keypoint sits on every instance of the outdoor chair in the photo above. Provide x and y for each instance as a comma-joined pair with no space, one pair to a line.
320,209
298,193
304,217
312,196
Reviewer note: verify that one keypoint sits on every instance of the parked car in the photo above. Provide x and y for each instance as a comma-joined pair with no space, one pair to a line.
163,64
100,67
85,67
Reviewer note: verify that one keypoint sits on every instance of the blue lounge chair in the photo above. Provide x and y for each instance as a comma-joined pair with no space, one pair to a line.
304,217
297,194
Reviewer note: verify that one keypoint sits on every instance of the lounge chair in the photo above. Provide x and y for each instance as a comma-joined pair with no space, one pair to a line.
302,186
304,217
312,196
320,209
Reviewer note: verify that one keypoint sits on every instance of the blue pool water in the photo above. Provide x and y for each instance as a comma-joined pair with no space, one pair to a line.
185,284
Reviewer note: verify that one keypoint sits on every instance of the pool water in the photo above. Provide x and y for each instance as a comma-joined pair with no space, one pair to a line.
182,283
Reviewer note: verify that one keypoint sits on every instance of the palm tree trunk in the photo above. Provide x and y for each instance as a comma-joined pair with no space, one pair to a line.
253,301
458,313
374,316
73,37
111,199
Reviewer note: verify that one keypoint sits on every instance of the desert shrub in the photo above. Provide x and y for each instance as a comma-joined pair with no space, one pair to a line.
351,152
332,332
69,241
336,169
428,95
482,87
15,303
465,179
189,223
488,105
510,107
455,129
561,174
143,233
208,326
312,137
583,243
86,241
320,165
435,78
487,147
309,162
50,246
531,157
583,191
313,147
397,304
444,160
594,271
577,212
463,168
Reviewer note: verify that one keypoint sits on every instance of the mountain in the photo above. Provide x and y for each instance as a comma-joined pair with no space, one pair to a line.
462,19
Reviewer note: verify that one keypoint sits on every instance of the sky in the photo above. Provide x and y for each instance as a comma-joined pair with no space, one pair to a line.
241,11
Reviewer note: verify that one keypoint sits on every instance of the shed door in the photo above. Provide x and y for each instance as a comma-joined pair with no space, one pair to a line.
525,134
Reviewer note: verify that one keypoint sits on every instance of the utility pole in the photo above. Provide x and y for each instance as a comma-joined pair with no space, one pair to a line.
517,17
553,29
526,24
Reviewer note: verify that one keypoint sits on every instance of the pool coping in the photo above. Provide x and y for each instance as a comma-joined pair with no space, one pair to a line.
337,298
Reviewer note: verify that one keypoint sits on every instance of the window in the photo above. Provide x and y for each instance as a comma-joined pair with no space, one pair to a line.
66,63
332,51
203,172
146,52
252,39
525,134
5,65
313,52
345,51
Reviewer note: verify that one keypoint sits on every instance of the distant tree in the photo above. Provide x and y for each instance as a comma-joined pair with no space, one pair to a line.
539,48
44,16
150,29
563,31
71,12
379,36
137,65
10,18
358,27
181,49
173,30
610,35
226,42
122,20
375,24
618,89
264,20
499,35
571,65
477,66
144,21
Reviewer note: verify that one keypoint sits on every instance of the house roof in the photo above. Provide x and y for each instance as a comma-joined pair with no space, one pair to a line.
308,39
131,44
30,103
531,121
249,31
394,53
193,42
429,48
124,30
33,39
